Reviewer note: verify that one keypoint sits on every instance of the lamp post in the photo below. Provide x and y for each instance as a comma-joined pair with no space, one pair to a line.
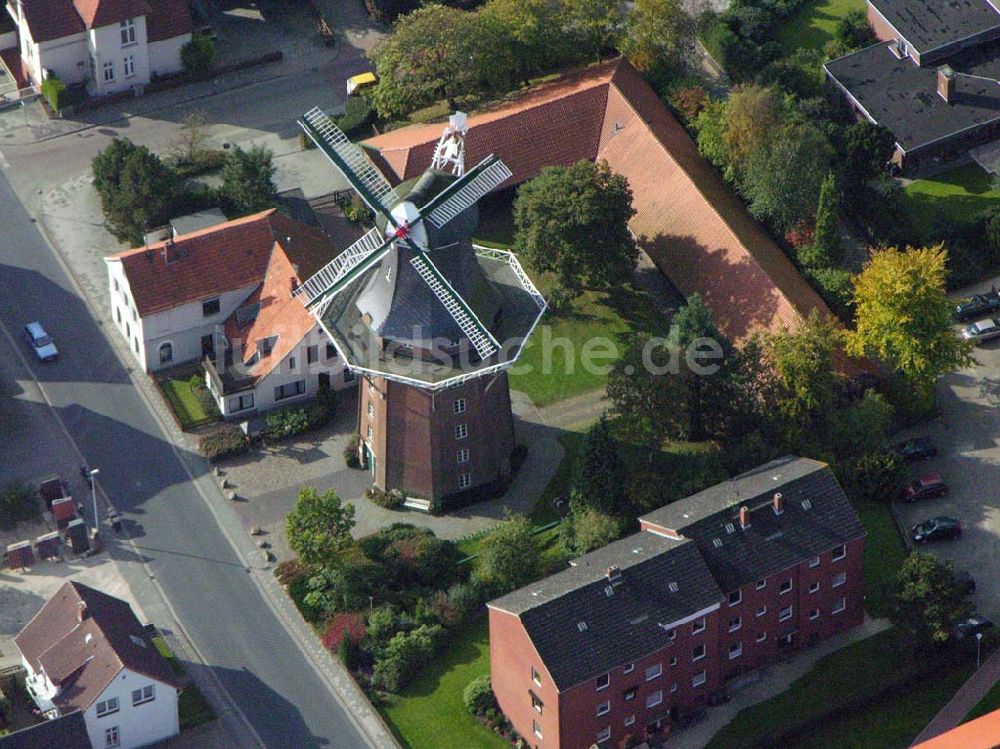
92,473
979,643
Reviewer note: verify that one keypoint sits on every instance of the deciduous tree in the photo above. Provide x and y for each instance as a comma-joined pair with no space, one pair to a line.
248,180
319,525
929,602
508,557
601,477
658,33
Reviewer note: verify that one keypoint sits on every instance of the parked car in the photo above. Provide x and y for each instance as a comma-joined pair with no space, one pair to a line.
940,528
928,486
984,330
971,627
688,718
40,341
916,448
966,582
978,305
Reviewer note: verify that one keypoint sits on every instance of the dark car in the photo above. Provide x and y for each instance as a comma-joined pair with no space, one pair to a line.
916,448
928,486
978,305
940,528
688,718
966,582
971,627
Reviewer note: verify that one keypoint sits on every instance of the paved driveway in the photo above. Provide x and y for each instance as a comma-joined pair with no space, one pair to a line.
967,433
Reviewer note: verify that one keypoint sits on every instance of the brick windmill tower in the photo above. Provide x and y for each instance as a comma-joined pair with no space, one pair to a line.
429,322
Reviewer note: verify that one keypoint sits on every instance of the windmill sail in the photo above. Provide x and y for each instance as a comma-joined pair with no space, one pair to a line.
486,345
465,191
344,268
350,161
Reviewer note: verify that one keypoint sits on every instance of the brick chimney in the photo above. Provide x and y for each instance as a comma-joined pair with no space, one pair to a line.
778,508
613,573
946,83
81,611
744,517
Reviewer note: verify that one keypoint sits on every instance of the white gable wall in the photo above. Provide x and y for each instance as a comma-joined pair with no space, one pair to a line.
105,46
137,726
165,55
65,58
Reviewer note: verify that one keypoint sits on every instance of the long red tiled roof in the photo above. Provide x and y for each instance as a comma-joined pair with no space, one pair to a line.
981,733
167,19
689,222
221,258
97,13
54,19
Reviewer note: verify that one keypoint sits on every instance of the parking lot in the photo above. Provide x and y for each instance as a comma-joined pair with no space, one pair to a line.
967,434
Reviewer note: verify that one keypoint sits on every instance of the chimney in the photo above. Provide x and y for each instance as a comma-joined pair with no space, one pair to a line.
778,509
744,517
293,283
81,611
613,573
946,83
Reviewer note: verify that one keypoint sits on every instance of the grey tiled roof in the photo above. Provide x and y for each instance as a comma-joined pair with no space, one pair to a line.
928,24
67,732
817,516
662,580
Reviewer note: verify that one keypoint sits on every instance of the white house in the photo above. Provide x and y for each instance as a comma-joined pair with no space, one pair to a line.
110,45
86,651
223,295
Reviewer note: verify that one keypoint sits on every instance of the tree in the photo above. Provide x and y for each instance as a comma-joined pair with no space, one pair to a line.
658,33
863,427
825,249
137,190
508,557
198,56
782,181
873,476
319,525
904,317
434,53
803,363
755,117
533,30
587,528
853,31
867,148
593,24
711,128
248,179
929,602
601,477
193,136
573,222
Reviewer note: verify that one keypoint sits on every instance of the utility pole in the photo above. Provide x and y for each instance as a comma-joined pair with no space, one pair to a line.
92,473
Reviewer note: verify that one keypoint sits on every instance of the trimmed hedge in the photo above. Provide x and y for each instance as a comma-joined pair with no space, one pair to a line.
228,439
55,93
358,115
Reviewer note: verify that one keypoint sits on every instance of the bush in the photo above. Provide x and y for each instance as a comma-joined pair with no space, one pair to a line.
358,115
688,102
17,502
351,451
390,500
227,439
478,695
55,93
465,598
349,653
405,654
836,286
349,625
288,422
198,56
874,476
202,163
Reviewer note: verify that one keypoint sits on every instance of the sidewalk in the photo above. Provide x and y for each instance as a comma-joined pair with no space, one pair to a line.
964,700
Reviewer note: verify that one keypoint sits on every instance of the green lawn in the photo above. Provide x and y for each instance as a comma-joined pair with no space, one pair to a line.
957,194
884,552
816,24
989,703
180,393
430,713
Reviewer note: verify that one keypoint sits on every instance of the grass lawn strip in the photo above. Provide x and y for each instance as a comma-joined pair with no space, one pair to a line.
884,553
816,24
180,394
430,713
958,194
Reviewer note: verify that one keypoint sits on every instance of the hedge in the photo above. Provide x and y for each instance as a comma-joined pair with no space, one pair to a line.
55,93
228,439
289,422
358,115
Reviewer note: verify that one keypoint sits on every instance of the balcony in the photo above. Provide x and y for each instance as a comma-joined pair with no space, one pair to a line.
230,380
41,692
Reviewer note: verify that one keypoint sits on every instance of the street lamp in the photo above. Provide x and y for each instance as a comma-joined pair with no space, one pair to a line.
92,474
979,643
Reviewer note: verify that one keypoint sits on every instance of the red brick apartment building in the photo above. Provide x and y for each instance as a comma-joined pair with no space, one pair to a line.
608,651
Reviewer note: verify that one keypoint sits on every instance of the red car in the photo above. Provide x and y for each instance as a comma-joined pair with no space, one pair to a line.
928,486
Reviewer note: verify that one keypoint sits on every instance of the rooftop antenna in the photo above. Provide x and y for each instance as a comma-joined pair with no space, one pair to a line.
449,153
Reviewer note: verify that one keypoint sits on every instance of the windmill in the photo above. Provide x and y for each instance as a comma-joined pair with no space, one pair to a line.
429,321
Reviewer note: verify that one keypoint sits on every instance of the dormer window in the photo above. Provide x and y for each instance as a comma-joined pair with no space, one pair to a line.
265,345
127,31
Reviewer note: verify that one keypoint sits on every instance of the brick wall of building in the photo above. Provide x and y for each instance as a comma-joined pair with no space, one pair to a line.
883,30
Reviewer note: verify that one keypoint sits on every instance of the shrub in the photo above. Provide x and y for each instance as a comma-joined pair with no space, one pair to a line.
349,625
285,423
478,695
836,286
874,476
688,101
349,653
358,115
202,163
405,654
465,598
227,439
198,56
55,93
390,500
351,451
17,502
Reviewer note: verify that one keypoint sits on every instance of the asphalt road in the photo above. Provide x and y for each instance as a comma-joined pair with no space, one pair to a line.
211,592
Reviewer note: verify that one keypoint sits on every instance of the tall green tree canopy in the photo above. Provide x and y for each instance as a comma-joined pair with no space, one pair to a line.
658,33
904,316
573,222
137,190
928,602
248,179
319,526
508,557
601,480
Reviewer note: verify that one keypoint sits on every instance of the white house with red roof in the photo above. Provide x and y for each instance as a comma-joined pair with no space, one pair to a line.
224,295
86,651
111,45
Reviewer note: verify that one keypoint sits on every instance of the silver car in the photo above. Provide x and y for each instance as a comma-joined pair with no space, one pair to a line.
984,330
40,341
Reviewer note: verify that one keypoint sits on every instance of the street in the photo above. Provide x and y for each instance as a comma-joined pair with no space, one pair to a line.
249,651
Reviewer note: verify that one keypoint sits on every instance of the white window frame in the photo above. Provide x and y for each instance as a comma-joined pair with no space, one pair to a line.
459,406
814,614
536,677
673,687
170,347
603,708
738,624
630,720
838,553
371,409
698,626
839,606
629,694
761,636
739,598
110,706
126,30
734,654
813,563
464,481
603,681
536,728
285,394
462,456
698,679
147,693
839,579
694,652
108,71
673,661
628,668
761,584
654,698
654,671
128,63
371,433
782,590
112,737
786,613
461,431
814,587
761,611
604,734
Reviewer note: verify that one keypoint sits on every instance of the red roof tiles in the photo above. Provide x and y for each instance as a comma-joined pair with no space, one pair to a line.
97,13
54,19
688,221
82,654
981,733
167,19
51,19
